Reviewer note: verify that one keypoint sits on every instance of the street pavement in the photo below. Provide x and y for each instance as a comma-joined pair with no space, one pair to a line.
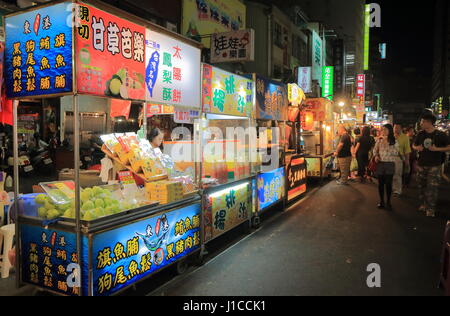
320,246
323,246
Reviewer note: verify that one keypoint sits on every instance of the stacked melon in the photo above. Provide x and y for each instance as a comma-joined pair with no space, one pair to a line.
95,203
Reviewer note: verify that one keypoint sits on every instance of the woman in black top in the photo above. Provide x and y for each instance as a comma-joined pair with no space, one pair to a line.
364,145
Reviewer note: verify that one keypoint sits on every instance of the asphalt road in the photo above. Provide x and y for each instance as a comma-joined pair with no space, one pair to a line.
324,245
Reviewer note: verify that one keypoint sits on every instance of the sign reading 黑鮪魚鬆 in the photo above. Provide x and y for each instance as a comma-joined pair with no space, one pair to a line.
38,52
173,71
110,55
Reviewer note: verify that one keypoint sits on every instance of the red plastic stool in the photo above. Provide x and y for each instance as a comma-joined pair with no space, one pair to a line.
445,274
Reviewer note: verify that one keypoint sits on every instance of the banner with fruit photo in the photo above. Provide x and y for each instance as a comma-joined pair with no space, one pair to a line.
110,55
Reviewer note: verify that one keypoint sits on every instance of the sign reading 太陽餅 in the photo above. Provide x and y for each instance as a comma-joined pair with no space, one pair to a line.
173,71
233,46
38,52
328,81
226,93
205,17
110,56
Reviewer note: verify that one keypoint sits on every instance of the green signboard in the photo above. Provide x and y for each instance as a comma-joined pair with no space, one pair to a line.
328,82
367,37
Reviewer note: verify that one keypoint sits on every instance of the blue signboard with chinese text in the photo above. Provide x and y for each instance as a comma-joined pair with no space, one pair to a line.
271,187
271,99
125,255
46,256
38,52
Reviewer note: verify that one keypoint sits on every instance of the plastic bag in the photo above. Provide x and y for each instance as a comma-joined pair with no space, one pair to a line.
354,165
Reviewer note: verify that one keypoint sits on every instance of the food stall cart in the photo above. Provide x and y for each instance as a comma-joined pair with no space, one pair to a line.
296,171
99,241
318,135
227,168
271,114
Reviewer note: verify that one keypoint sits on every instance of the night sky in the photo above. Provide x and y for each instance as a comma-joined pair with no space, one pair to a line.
407,27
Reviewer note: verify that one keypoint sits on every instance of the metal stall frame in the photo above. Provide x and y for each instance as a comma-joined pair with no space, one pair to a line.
78,227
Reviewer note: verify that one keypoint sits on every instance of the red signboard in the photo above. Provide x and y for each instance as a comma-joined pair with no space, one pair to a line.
361,86
111,55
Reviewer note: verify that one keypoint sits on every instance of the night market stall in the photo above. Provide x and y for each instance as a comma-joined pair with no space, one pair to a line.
296,170
97,241
228,156
318,135
271,108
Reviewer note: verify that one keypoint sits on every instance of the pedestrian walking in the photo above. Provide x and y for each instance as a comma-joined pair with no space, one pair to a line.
432,145
364,146
344,155
402,164
386,153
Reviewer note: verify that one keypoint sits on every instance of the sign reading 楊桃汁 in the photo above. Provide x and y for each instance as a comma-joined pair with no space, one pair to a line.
328,82
233,46
226,93
271,186
127,254
46,258
227,209
205,17
304,79
172,71
38,52
271,99
317,53
110,55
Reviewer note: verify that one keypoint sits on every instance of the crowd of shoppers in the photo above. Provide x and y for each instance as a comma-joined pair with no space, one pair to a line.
392,155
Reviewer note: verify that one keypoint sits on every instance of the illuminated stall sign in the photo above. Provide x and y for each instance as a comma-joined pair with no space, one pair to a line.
271,187
159,109
304,79
227,209
46,256
172,73
38,53
127,254
296,177
203,17
361,87
110,56
271,99
226,93
233,46
328,82
295,94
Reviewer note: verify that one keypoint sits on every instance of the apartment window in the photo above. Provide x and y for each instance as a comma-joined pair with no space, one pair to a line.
277,35
296,47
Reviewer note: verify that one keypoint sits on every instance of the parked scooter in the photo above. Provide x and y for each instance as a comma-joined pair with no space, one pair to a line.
40,157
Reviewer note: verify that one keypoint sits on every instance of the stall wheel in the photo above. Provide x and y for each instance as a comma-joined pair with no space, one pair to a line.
256,222
182,266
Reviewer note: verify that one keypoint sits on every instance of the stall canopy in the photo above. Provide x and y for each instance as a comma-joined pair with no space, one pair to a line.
101,55
321,108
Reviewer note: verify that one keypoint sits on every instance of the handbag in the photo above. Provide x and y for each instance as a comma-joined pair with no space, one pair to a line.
373,165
